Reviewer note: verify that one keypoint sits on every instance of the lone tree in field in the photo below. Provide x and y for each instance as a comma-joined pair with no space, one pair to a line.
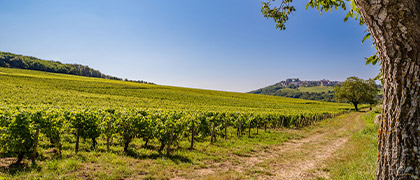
395,28
356,91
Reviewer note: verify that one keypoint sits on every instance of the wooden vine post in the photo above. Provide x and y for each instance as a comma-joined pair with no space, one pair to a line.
77,139
35,145
265,125
226,129
257,125
212,139
274,125
239,129
108,135
282,122
168,149
192,135
249,129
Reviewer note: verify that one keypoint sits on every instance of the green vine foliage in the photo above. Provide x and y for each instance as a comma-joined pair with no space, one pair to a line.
52,124
17,133
127,124
18,125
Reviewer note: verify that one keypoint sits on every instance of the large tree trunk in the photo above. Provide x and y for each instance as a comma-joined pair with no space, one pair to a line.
395,27
355,106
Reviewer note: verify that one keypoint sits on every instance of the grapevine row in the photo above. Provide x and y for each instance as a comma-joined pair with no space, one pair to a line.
21,126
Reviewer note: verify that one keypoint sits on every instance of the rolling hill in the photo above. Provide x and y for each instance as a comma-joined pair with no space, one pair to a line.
319,93
36,88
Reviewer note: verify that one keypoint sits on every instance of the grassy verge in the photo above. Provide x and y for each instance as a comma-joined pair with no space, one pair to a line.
357,160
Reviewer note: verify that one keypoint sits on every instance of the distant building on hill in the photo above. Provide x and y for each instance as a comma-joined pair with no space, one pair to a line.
296,82
325,82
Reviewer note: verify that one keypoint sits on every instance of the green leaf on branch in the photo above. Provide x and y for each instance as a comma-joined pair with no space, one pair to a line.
374,59
367,36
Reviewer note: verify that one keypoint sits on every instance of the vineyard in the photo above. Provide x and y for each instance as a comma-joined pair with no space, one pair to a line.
50,111
20,126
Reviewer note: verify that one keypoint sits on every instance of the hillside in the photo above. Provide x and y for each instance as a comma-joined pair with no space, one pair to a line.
319,93
11,60
37,88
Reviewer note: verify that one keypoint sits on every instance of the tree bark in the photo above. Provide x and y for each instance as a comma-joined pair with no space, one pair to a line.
395,28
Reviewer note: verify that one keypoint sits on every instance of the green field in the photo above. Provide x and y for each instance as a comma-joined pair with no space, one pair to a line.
137,121
35,88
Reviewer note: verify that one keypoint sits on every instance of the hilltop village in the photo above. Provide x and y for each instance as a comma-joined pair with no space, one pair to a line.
296,82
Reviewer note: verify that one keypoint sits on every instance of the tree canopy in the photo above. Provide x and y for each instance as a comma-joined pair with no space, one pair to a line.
356,91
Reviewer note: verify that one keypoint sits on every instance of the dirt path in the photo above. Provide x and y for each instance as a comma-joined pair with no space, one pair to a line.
302,158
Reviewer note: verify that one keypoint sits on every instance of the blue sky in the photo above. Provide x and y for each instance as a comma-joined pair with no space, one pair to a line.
210,44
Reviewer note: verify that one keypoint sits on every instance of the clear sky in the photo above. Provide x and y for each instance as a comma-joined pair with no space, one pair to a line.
210,44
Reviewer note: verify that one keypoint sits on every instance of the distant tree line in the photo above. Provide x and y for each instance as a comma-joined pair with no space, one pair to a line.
269,90
138,81
11,60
